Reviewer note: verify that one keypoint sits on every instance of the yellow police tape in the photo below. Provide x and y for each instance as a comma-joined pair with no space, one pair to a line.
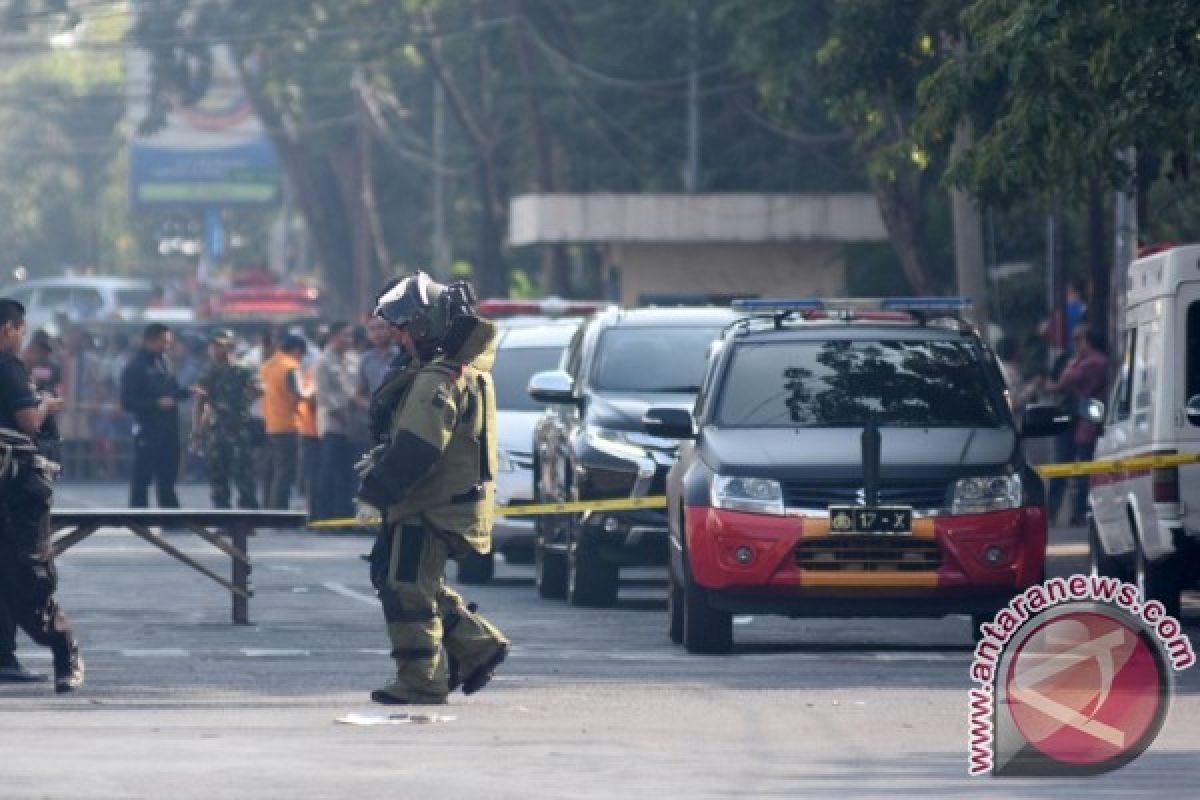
1108,466
1068,470
531,510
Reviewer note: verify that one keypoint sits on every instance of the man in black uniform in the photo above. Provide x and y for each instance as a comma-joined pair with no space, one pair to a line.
27,574
46,376
151,394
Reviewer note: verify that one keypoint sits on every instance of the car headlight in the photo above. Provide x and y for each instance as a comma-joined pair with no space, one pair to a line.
504,461
989,493
619,444
756,495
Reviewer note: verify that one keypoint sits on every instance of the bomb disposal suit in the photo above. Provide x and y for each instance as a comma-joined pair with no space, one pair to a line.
432,480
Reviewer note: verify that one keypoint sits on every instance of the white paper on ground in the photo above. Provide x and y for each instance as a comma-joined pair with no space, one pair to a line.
393,719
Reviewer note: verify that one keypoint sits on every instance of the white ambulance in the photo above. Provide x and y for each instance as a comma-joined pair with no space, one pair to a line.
1145,524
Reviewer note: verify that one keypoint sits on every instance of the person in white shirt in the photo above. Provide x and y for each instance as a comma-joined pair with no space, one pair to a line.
336,373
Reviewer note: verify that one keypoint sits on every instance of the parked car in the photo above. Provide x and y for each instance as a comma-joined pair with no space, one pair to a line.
90,298
854,463
521,353
589,444
1141,524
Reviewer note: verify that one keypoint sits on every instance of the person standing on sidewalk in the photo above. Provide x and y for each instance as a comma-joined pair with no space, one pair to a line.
221,423
150,392
1084,378
335,371
28,579
283,392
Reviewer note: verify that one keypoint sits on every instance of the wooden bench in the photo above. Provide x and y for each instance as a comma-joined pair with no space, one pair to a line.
228,531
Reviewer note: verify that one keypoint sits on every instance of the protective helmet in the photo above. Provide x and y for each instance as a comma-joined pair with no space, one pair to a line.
412,303
437,317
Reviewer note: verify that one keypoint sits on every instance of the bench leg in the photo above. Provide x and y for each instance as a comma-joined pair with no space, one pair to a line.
241,575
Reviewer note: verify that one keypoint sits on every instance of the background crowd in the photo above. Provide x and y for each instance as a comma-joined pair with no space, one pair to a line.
299,425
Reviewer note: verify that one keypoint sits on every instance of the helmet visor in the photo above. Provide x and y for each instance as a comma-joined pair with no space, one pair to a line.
399,304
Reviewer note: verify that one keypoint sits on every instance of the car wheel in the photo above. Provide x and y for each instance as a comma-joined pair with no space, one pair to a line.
674,608
476,568
1101,563
550,573
592,581
706,630
1158,580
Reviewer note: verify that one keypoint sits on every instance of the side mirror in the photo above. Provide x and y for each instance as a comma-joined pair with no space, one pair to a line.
669,423
552,387
1192,410
1045,420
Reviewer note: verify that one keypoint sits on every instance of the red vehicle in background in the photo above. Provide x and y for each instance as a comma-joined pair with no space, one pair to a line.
266,303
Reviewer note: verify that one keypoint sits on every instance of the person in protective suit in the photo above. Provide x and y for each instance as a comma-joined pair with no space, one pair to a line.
433,482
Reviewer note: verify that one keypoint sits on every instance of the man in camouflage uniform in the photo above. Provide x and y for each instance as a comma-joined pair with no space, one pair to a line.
221,424
433,480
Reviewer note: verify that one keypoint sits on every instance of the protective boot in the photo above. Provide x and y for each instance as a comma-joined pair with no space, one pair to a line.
68,668
395,694
415,635
474,646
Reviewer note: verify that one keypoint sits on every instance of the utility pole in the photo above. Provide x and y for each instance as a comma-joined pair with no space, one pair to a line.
691,170
968,237
360,292
1054,294
440,249
1126,233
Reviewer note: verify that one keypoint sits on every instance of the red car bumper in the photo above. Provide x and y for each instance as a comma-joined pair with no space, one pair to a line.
796,557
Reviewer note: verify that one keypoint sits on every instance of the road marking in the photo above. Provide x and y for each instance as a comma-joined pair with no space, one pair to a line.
252,652
346,591
164,652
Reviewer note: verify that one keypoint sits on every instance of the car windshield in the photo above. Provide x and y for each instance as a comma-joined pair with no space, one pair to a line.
514,367
652,359
134,298
836,384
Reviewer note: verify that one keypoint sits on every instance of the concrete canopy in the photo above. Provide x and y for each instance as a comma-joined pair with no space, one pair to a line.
667,248
694,218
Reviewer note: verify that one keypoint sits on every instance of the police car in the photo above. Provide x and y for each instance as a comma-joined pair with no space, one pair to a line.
849,458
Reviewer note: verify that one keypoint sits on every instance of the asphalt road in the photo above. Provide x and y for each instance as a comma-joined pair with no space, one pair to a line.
181,704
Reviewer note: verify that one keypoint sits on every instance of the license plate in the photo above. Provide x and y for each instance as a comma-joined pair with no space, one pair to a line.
855,519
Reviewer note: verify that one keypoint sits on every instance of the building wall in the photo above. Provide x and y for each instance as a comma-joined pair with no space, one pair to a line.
684,218
795,269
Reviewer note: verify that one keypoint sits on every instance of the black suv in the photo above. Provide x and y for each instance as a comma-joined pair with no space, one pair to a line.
846,463
590,444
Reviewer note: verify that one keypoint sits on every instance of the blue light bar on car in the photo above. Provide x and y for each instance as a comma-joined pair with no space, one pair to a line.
925,304
767,305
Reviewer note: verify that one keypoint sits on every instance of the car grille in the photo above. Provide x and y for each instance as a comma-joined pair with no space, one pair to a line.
607,483
919,496
868,554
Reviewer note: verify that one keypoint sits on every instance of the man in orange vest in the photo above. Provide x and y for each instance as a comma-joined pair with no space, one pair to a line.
283,392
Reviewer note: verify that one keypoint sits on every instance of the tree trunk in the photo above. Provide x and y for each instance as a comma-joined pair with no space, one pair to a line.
554,276
905,226
492,278
317,192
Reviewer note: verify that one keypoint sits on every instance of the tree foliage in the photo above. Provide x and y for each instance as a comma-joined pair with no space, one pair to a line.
1059,88
59,114
857,64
